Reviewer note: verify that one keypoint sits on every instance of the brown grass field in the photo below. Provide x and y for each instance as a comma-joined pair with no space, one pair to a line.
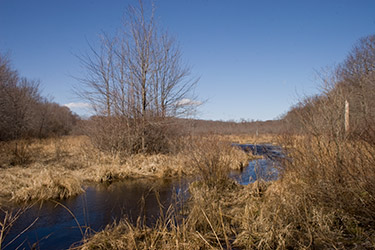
58,168
324,199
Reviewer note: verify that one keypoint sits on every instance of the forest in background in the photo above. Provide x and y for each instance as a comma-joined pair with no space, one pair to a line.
24,112
324,196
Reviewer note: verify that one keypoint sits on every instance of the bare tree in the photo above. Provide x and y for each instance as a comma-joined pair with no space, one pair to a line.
358,77
98,83
138,76
351,83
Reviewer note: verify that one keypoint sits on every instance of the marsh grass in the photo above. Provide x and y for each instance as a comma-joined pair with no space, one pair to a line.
207,220
165,234
58,168
171,230
213,158
324,199
249,138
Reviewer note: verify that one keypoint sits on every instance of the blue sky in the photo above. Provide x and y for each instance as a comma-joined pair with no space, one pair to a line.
254,58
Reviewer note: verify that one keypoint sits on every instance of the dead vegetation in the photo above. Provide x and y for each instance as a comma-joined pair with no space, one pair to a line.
8,219
58,168
323,200
211,219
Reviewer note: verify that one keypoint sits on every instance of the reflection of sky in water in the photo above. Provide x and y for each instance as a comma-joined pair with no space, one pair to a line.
103,204
257,169
264,169
98,207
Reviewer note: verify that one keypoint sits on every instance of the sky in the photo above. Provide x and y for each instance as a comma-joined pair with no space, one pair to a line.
255,59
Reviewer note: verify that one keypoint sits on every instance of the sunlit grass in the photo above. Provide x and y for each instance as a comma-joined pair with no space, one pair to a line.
57,168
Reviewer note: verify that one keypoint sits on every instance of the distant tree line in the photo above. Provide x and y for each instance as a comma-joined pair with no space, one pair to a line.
24,113
202,127
345,108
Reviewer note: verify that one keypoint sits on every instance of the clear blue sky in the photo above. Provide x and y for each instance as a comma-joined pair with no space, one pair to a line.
254,57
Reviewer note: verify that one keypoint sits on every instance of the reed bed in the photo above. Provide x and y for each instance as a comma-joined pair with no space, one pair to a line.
58,168
324,199
208,220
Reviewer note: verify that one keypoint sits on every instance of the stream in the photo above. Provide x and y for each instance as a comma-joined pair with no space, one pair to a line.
101,205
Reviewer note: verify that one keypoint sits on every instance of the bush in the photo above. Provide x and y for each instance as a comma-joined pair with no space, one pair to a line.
123,136
212,159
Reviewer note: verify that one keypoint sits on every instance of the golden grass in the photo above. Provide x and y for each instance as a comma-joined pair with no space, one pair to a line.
249,139
165,235
325,199
20,184
212,159
207,222
210,220
57,168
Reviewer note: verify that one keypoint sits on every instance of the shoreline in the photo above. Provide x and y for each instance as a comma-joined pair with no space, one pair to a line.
58,168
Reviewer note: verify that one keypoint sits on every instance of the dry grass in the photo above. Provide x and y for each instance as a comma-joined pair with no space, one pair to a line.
57,168
213,158
323,200
247,138
20,184
165,234
208,221
8,219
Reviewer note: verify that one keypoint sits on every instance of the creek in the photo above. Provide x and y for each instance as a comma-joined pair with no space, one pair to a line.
59,226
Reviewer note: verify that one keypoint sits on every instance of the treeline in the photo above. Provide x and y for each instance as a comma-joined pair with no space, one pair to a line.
201,127
24,112
345,108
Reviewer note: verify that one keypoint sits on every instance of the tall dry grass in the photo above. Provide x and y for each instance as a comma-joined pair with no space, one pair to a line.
249,138
324,199
206,221
168,232
212,158
57,168
7,219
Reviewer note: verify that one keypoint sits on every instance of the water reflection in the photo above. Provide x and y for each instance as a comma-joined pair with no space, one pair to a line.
101,205
264,169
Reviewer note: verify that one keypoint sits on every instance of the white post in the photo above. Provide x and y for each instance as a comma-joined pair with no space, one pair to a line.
346,116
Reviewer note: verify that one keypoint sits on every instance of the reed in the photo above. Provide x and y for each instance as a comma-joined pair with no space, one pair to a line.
57,168
324,199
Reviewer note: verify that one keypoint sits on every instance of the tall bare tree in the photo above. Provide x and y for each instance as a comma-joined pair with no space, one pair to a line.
138,75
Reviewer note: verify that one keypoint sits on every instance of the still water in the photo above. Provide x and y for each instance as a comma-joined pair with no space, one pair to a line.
101,205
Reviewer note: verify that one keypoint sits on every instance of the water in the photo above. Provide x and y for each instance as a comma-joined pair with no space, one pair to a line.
269,151
100,205
264,169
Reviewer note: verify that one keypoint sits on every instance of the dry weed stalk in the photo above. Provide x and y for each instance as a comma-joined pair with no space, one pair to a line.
212,159
8,220
324,199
